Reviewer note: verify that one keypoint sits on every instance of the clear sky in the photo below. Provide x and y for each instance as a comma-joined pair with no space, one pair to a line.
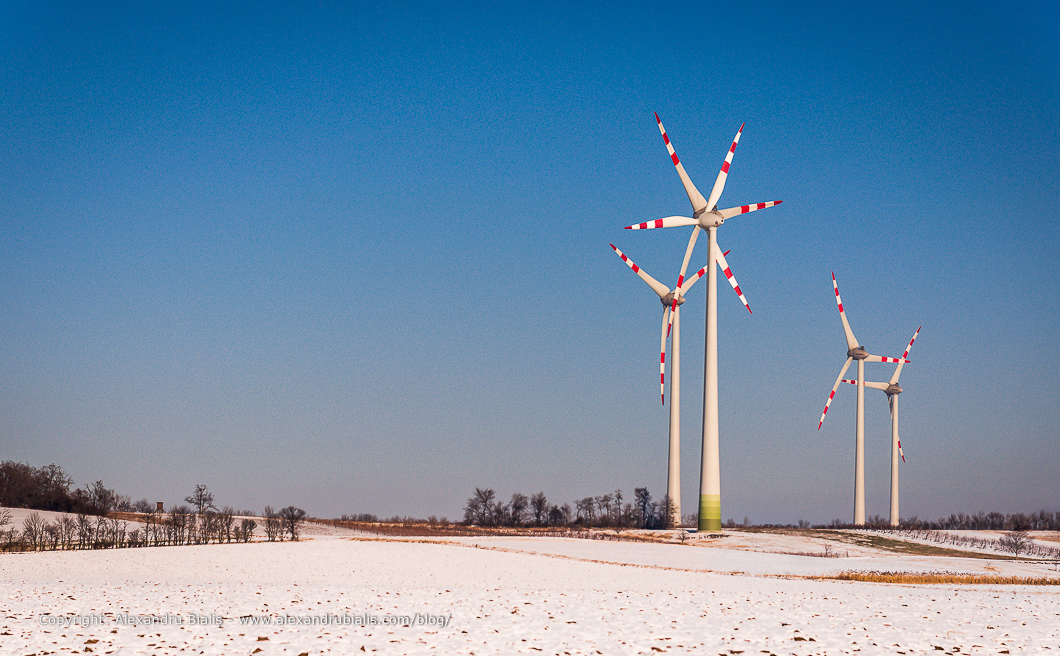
354,257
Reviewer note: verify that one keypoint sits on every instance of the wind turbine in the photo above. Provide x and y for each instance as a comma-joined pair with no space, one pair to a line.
892,390
855,351
706,216
671,301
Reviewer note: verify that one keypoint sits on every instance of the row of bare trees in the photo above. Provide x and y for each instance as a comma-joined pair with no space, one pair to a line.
1016,541
200,523
606,510
1043,520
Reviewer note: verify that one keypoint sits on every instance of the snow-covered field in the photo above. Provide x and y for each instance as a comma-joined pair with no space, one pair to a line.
509,595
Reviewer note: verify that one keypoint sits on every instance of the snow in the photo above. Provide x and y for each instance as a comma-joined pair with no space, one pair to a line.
512,595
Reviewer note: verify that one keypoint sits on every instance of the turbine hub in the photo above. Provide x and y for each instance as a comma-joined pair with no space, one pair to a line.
711,219
668,300
892,389
858,353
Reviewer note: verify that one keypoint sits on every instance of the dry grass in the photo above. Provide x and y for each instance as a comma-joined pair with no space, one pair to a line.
936,578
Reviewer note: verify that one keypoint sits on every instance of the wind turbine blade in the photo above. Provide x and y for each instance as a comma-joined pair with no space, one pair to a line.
898,369
691,280
831,396
684,264
744,209
662,357
698,202
890,405
852,342
684,267
910,347
659,288
668,222
719,184
879,386
881,358
720,257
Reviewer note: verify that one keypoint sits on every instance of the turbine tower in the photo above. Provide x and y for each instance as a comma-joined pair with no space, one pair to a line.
706,216
892,390
672,302
855,351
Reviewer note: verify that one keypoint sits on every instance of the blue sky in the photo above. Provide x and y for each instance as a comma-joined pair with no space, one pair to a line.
356,258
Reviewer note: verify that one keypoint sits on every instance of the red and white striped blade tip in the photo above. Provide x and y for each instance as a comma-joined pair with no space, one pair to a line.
667,222
908,348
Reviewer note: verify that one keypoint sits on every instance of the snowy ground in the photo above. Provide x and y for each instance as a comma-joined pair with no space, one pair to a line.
509,595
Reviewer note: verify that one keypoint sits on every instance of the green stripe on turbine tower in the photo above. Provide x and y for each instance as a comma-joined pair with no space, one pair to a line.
710,512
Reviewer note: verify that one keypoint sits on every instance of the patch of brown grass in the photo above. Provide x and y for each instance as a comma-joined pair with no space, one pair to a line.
936,578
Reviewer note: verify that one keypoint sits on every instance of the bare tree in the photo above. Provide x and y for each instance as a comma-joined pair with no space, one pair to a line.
539,509
586,509
5,517
67,531
179,517
33,530
603,504
517,509
499,514
84,531
1015,541
224,524
201,499
102,498
246,529
122,503
207,527
479,508
51,534
273,530
292,519
14,540
642,505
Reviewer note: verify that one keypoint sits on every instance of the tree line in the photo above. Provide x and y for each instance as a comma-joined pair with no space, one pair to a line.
201,523
97,517
609,510
1043,520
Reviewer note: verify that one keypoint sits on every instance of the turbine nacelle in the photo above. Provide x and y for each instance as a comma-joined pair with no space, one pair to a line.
670,299
893,389
858,353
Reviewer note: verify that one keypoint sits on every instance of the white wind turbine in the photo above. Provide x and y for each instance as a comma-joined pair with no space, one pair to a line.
855,351
671,301
892,390
706,216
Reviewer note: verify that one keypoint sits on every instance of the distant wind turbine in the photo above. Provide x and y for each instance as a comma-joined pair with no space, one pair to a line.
672,301
706,216
892,390
855,351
